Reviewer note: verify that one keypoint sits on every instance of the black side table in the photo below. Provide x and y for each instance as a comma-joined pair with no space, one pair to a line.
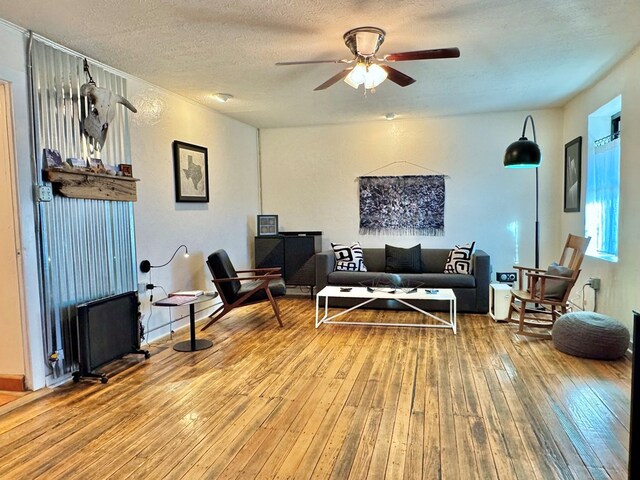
193,344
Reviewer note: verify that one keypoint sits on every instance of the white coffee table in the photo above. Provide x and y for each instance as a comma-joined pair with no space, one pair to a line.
401,295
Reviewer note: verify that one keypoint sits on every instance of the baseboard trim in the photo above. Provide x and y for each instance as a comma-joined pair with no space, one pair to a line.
12,383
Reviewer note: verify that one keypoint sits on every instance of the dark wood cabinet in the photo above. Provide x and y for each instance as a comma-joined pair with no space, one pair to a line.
293,252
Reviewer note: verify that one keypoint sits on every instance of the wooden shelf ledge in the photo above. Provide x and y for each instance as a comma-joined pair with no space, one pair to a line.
97,186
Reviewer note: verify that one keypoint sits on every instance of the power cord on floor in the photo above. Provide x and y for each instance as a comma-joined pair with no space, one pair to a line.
146,328
595,295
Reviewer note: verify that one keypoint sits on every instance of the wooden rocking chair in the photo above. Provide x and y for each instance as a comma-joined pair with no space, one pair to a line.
264,284
547,291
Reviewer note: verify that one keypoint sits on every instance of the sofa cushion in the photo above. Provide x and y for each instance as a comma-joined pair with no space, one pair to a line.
434,259
374,259
426,280
357,279
439,280
459,260
403,260
349,258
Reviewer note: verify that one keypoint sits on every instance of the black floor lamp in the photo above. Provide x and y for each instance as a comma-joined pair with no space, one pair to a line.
526,154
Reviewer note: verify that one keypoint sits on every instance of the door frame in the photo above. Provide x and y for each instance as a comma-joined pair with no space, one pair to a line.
7,114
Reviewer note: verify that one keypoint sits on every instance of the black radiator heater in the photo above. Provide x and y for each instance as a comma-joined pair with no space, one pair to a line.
634,469
107,329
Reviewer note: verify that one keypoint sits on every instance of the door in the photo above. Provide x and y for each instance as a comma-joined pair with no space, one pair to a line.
12,359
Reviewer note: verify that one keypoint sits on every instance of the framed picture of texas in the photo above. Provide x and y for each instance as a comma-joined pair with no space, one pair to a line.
191,172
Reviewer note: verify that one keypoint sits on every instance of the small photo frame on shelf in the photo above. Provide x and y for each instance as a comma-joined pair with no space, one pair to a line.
191,172
267,225
572,174
96,165
51,158
79,163
125,169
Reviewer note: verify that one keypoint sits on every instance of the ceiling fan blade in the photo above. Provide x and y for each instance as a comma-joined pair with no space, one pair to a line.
453,52
335,79
309,62
397,77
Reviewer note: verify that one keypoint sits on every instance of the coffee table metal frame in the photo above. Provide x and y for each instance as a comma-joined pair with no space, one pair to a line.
399,295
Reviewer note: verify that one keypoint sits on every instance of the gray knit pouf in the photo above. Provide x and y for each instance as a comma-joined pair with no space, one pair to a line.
590,335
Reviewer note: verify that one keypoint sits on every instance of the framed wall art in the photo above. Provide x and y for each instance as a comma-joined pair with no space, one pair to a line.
191,172
267,225
572,174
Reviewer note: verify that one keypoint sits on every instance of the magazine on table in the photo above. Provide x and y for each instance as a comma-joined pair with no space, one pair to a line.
187,293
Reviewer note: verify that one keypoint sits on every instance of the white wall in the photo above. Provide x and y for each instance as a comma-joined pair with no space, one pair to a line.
13,70
621,280
308,179
227,221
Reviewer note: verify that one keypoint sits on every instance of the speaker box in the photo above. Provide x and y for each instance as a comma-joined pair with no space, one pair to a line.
506,277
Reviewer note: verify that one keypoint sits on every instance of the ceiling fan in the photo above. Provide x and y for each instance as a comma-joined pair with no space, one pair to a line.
369,70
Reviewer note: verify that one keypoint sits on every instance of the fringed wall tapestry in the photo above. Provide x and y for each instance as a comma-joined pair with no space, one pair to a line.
402,205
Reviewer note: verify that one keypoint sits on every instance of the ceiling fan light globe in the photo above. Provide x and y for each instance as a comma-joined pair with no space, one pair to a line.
350,82
370,83
375,76
358,74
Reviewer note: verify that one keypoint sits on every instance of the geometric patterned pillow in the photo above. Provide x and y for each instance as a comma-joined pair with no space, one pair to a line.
349,258
459,260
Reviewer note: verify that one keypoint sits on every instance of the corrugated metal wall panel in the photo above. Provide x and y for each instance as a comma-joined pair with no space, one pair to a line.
88,249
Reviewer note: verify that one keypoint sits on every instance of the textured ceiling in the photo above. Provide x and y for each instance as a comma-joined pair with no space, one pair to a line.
514,54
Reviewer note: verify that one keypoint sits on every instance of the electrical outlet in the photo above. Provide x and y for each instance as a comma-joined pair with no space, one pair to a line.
594,283
43,193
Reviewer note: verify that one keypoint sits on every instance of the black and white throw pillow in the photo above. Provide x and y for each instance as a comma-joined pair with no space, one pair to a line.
349,258
459,260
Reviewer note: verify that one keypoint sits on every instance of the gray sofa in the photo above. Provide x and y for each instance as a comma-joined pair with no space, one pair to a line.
472,291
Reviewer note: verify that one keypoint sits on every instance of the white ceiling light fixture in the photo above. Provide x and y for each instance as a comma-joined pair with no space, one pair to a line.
222,97
356,76
370,75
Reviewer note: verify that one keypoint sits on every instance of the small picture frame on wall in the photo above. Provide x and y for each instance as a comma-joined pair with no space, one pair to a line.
267,225
572,174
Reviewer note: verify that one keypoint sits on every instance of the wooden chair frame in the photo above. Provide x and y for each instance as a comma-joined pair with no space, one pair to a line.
542,312
265,275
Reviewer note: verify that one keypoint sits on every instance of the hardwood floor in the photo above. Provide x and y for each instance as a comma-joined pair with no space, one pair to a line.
338,402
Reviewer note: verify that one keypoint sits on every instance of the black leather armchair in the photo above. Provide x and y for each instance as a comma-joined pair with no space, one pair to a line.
257,285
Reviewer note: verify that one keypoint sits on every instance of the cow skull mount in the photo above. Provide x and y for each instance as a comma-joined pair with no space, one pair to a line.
103,109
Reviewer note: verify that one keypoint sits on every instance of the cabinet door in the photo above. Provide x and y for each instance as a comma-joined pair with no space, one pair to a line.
269,252
299,267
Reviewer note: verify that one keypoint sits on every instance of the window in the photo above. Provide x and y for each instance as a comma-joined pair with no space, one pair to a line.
603,181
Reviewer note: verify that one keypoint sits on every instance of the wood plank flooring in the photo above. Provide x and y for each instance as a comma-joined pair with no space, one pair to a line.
340,402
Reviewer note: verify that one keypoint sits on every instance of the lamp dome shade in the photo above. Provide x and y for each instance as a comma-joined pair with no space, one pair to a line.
522,154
